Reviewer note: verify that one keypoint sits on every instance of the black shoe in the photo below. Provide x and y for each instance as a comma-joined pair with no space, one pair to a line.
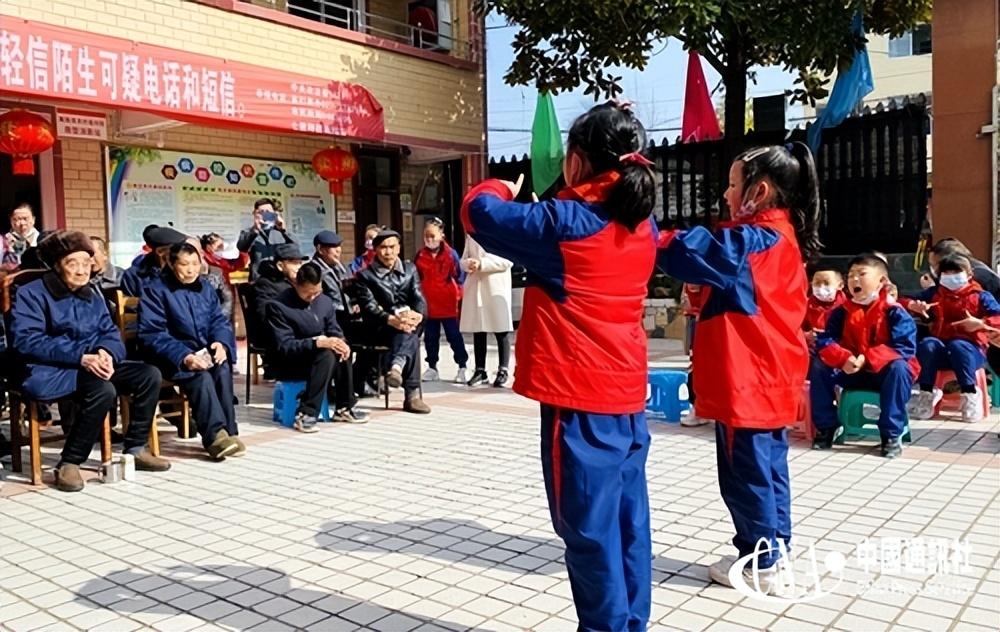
501,378
892,448
824,438
478,377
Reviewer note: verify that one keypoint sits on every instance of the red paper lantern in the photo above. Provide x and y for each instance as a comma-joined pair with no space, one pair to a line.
336,165
23,134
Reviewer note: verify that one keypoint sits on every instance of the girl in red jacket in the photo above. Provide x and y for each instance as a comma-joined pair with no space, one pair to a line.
441,279
581,352
751,359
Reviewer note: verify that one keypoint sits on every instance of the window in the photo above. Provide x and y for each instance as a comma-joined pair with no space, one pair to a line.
915,42
342,13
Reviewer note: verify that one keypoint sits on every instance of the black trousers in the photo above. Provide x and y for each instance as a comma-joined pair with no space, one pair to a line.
503,349
324,374
211,395
403,349
95,397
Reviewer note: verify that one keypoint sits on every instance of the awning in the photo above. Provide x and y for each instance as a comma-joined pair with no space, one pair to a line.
41,60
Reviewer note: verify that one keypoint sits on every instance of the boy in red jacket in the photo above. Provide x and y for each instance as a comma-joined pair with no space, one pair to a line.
962,317
827,294
868,343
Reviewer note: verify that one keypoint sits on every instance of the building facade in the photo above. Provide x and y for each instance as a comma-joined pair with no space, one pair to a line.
185,111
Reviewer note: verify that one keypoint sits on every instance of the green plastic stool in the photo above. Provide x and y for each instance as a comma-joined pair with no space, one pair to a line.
853,422
994,388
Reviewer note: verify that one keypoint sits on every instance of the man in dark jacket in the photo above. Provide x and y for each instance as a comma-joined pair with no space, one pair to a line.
184,332
268,231
63,334
328,246
104,275
309,345
276,276
147,267
389,293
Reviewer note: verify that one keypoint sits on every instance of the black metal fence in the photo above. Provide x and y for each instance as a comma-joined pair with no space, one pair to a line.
872,170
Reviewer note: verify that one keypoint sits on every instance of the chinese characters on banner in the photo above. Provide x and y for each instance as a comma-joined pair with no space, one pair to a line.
71,124
49,61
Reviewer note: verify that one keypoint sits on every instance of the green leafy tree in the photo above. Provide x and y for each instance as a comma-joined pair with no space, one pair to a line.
563,44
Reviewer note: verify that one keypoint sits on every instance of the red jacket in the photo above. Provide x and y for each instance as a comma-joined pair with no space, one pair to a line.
441,279
228,265
952,306
581,344
750,362
883,332
817,311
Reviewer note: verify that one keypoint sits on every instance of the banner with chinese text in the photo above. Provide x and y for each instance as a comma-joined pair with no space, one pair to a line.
49,61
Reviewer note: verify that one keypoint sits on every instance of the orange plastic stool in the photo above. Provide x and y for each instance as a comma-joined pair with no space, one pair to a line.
951,401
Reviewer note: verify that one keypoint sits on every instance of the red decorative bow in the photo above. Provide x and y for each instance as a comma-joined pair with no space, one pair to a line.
636,158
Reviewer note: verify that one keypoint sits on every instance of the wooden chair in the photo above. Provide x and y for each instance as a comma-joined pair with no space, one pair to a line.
19,404
125,313
246,293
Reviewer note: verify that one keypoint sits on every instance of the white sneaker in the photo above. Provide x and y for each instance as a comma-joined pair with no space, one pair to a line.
768,579
461,378
693,421
922,404
971,405
431,375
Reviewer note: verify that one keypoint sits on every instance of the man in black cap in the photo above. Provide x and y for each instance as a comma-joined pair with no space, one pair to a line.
276,275
389,293
328,246
147,267
261,239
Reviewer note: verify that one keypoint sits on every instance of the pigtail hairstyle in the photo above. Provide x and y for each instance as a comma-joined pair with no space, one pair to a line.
612,139
792,172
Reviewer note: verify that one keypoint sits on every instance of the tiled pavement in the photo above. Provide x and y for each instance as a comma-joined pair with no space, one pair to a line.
439,522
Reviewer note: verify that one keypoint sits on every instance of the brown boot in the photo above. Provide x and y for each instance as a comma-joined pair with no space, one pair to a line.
146,462
416,405
394,377
241,448
222,446
68,478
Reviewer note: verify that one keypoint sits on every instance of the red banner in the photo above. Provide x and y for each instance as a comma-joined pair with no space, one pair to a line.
49,61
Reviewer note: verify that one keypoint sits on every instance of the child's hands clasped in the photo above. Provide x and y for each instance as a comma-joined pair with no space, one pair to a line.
853,364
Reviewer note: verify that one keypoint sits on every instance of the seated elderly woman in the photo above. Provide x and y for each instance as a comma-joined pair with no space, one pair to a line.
63,335
183,331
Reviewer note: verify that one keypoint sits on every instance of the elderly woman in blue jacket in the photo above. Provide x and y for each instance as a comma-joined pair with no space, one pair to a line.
184,332
69,348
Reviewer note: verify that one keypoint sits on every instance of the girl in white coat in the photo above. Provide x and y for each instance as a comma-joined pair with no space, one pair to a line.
486,308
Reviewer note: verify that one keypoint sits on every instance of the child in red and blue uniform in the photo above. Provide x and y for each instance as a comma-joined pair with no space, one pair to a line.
868,343
751,360
962,315
441,279
581,352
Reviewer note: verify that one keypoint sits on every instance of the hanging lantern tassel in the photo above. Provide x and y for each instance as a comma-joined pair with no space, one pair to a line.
335,165
22,135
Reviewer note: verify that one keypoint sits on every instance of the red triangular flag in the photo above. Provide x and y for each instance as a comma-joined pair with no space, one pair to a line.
700,122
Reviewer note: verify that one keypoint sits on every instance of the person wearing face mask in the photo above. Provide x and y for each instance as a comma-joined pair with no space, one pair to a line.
267,231
185,333
363,260
827,293
868,343
441,278
213,249
962,315
68,346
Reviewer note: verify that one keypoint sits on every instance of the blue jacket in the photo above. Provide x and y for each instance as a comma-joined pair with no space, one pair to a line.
176,320
144,269
295,324
52,328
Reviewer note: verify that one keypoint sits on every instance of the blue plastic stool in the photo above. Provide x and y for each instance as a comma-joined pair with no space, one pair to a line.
854,422
286,401
665,403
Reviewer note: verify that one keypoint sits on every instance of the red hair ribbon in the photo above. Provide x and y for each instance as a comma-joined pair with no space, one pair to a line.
636,158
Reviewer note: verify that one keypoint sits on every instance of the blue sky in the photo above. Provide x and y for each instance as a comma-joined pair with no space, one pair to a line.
658,92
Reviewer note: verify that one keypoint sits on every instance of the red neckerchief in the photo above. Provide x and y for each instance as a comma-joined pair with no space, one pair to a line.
597,189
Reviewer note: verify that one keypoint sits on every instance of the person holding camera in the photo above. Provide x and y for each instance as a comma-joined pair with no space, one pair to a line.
184,333
394,307
268,231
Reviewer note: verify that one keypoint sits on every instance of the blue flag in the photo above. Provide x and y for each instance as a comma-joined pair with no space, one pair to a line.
849,89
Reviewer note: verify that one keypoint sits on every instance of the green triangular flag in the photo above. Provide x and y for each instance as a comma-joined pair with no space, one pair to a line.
546,145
